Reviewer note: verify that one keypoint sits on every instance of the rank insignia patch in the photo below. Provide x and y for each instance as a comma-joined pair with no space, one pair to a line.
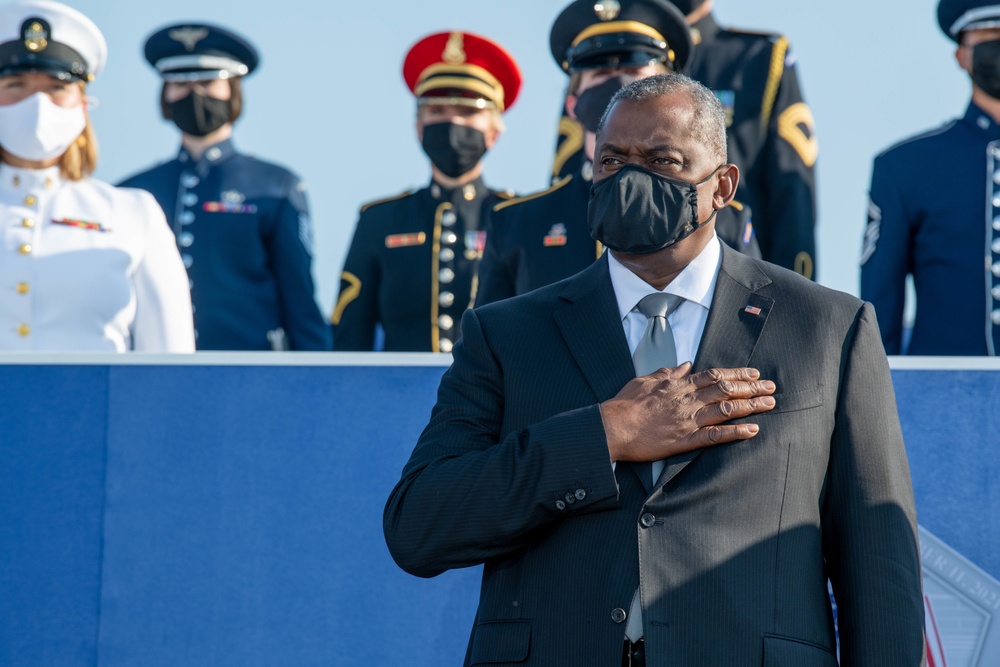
404,240
556,236
82,224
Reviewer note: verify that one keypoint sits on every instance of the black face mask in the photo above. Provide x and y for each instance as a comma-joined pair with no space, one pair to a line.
986,67
638,211
592,103
454,149
198,114
687,6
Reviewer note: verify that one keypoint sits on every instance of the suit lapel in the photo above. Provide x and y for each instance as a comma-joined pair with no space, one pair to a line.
592,328
735,322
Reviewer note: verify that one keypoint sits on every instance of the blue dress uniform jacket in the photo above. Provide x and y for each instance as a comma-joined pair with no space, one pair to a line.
242,226
935,215
542,238
412,269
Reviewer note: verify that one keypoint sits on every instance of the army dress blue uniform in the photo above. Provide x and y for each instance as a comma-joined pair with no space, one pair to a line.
935,215
412,269
770,132
242,227
542,238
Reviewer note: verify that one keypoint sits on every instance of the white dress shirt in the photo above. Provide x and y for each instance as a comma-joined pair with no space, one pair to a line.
695,284
87,266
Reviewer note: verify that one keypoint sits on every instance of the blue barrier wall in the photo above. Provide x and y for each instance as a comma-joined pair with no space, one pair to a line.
219,513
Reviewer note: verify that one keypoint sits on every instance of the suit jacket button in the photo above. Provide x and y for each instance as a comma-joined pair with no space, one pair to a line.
580,494
570,498
647,520
618,615
560,505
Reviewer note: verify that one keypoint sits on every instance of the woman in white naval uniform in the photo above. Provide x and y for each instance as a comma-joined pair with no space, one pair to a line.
83,265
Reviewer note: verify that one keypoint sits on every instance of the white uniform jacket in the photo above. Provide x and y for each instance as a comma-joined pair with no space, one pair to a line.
87,266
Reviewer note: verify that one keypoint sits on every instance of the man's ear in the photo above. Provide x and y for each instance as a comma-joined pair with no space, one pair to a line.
963,55
725,186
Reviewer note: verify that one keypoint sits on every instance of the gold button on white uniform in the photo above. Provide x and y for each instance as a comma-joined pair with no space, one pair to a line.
30,200
23,288
25,249
28,222
23,330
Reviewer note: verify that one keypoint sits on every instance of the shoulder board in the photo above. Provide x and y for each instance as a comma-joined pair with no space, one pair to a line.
367,206
756,33
505,194
739,206
519,200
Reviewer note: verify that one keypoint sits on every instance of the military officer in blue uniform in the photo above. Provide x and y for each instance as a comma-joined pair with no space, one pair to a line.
242,224
770,132
543,237
412,267
935,211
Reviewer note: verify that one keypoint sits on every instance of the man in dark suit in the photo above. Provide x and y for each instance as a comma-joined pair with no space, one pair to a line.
777,455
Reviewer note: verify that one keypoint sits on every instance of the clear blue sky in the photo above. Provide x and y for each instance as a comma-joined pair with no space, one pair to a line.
329,100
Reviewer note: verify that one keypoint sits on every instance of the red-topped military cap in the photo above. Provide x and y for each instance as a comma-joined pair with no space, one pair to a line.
462,68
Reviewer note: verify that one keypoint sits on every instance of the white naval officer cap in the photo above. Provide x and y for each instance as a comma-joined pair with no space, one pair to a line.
51,38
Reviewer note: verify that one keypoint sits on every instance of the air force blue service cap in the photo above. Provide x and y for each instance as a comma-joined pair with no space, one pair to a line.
956,16
199,52
50,38
594,34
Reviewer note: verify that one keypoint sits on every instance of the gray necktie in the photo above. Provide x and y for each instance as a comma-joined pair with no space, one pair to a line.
655,350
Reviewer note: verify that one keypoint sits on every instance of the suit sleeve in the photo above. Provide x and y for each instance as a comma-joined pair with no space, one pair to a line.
496,270
869,518
291,261
466,495
885,255
787,218
163,320
356,312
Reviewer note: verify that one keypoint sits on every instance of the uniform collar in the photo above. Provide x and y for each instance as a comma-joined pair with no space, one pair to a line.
18,179
468,192
216,154
981,121
705,30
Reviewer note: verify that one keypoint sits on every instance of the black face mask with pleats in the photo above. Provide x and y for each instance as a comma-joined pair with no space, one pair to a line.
638,211
454,149
198,114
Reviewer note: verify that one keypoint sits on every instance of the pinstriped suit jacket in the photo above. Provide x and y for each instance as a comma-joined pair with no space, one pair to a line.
732,547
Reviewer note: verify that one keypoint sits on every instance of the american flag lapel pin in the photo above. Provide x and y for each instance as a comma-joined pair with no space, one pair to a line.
753,310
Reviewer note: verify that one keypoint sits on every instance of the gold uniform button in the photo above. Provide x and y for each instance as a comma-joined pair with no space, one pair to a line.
27,222
30,200
23,288
23,330
25,249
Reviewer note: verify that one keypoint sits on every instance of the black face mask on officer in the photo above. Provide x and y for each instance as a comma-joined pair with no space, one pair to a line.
592,103
638,211
198,115
687,6
986,67
454,149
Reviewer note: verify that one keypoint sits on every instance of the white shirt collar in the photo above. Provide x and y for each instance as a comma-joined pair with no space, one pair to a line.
695,284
